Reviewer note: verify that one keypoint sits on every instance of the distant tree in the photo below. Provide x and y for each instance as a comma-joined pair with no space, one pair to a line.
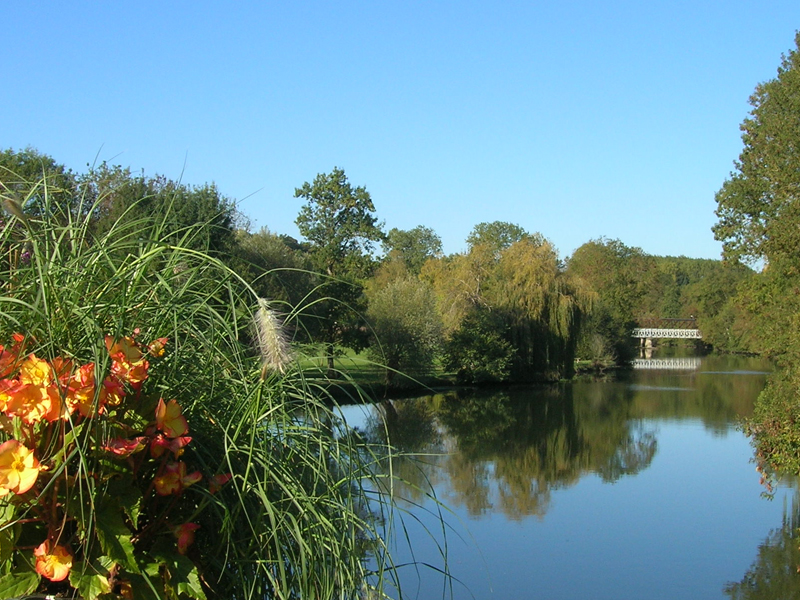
623,280
408,330
338,221
413,247
274,266
496,236
159,207
479,351
34,179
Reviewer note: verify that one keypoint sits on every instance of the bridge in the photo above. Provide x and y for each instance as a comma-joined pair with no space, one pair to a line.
681,329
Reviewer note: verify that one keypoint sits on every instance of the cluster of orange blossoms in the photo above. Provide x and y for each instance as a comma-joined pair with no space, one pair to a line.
34,390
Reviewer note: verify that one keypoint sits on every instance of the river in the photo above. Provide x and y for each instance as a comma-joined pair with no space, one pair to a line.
637,487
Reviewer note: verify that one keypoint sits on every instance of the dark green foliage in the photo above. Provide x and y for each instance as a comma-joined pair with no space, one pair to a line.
479,351
197,216
35,180
338,221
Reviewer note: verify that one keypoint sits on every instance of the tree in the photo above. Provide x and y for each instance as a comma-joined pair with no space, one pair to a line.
759,205
496,236
408,330
338,221
414,247
159,208
28,176
622,279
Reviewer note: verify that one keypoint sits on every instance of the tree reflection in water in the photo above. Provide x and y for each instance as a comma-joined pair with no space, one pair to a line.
507,450
775,571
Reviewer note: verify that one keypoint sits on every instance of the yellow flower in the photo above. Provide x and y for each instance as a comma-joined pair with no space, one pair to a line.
35,371
18,468
54,564
170,419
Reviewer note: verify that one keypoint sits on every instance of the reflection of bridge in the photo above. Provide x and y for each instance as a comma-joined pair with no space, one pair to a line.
682,329
690,363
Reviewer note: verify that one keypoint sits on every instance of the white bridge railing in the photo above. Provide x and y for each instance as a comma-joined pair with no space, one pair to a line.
690,363
682,334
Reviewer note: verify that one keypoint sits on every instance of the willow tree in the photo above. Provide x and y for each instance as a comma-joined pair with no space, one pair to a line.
515,291
541,305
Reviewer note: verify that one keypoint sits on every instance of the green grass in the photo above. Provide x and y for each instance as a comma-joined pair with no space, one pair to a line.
302,512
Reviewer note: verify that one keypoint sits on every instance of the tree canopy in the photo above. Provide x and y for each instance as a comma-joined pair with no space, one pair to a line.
759,205
339,222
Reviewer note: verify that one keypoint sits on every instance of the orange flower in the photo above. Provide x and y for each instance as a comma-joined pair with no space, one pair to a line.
156,348
175,479
33,403
185,535
54,564
18,468
170,419
112,392
35,371
127,362
126,349
162,444
7,386
80,393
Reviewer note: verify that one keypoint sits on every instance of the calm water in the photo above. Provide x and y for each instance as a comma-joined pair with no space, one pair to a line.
639,488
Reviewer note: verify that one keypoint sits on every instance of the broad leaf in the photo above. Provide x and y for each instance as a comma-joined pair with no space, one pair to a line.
115,538
14,585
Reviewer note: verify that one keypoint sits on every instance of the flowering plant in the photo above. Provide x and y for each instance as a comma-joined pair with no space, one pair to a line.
93,481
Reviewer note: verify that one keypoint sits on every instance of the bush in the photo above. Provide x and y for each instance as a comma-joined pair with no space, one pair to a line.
89,507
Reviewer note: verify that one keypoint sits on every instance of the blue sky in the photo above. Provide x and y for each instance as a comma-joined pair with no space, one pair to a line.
573,119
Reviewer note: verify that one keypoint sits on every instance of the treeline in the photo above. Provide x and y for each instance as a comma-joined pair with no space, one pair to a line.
508,308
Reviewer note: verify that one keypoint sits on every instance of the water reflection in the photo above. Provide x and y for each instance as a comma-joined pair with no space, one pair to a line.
568,455
775,572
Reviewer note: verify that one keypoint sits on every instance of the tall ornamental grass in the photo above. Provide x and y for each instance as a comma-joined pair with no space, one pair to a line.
149,449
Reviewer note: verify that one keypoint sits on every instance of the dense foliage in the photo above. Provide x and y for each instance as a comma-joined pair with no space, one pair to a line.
87,503
759,222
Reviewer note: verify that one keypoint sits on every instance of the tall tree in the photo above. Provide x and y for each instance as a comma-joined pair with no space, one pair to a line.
339,222
622,279
497,235
759,205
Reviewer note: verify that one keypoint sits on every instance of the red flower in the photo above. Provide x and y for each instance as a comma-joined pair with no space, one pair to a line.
122,447
174,479
185,535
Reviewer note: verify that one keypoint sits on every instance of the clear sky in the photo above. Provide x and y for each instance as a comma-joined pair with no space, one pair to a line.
575,119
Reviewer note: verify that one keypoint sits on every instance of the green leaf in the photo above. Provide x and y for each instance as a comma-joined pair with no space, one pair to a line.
7,511
69,438
89,585
115,538
144,586
128,497
7,539
181,572
14,585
